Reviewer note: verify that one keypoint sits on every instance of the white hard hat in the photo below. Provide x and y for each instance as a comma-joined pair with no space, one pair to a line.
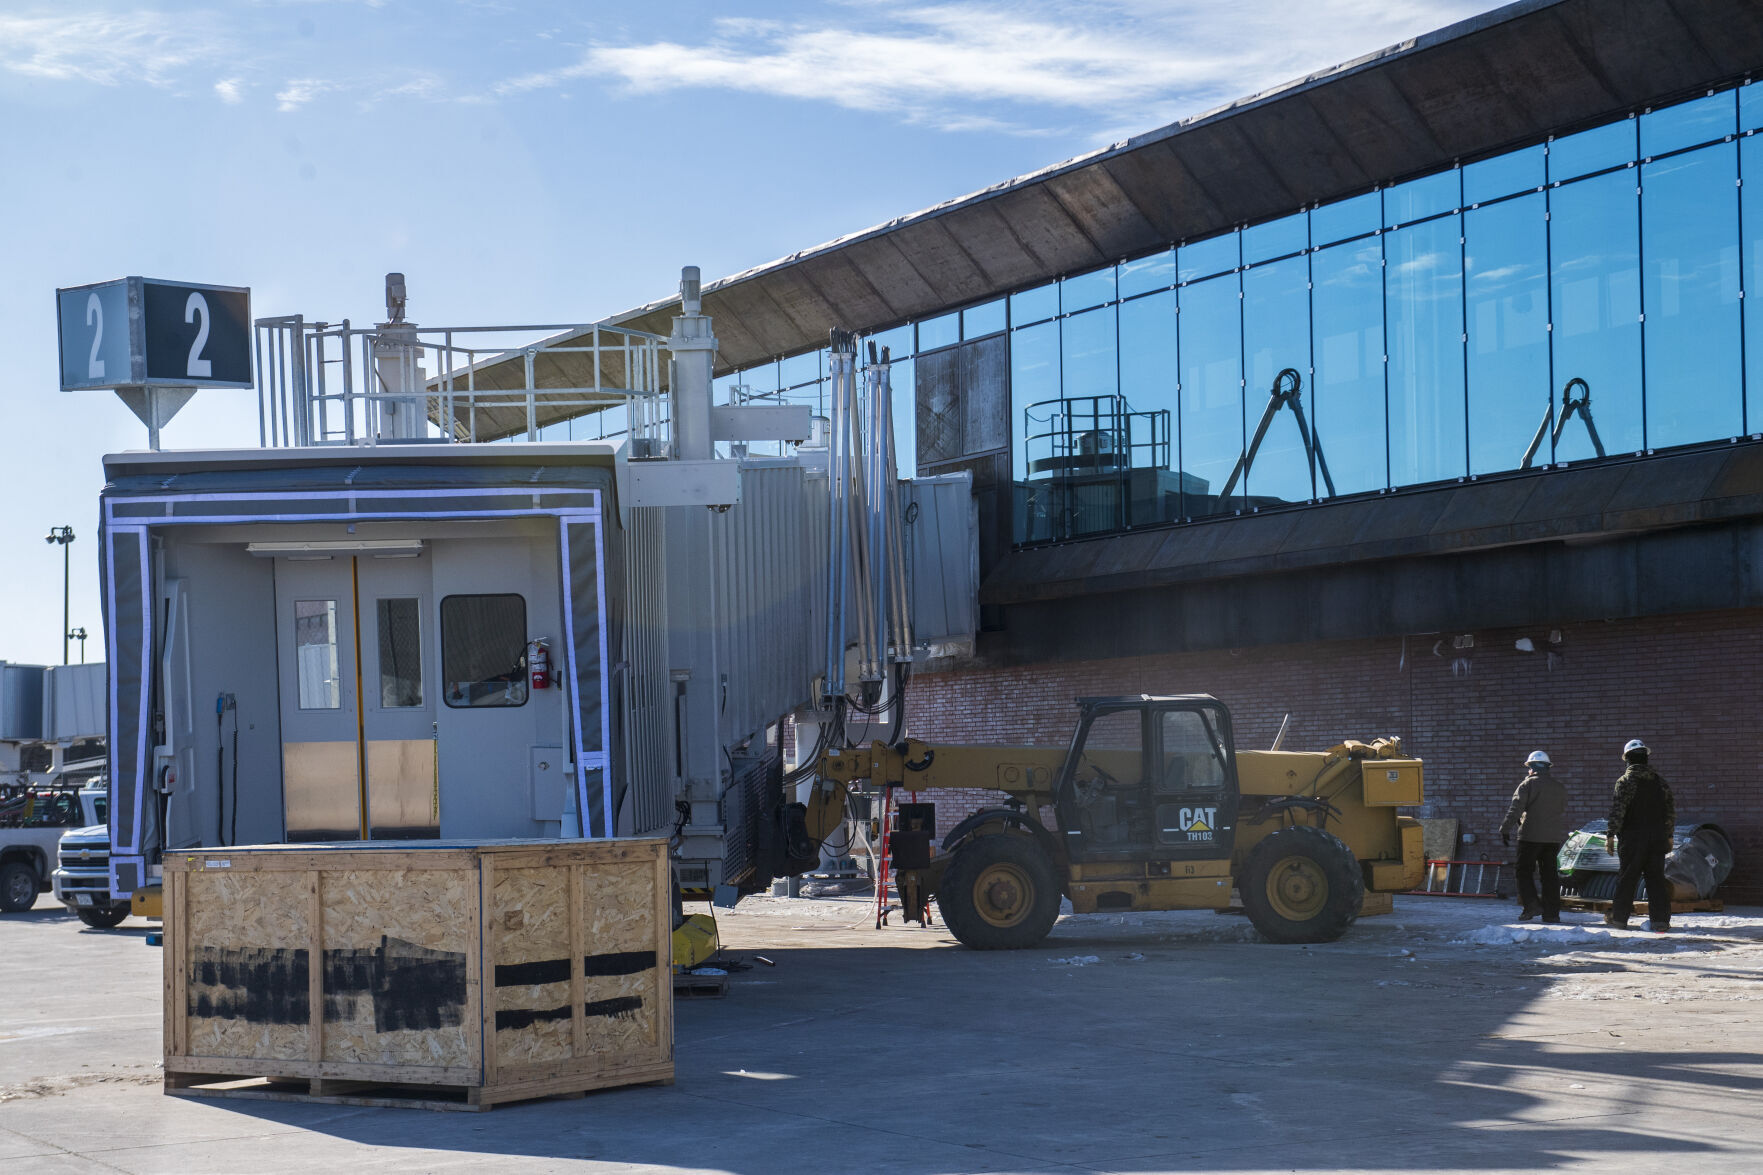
1634,744
1539,757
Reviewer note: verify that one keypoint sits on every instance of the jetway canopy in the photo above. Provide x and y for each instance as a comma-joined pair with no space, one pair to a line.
1503,77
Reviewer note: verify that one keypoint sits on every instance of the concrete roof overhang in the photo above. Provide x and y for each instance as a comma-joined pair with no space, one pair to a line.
1496,80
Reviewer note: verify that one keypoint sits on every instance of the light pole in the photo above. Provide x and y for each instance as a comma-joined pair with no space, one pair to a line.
79,634
64,536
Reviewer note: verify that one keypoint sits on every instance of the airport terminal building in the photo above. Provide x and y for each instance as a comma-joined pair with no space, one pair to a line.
1423,396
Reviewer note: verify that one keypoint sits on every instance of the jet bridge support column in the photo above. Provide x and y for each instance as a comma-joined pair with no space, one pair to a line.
696,676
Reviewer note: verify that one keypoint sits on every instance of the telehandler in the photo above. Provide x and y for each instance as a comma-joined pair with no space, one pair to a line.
1152,807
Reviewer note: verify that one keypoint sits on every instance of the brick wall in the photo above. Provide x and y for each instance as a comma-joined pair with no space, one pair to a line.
1689,685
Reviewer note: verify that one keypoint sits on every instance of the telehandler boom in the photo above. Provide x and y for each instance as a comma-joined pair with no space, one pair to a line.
1151,807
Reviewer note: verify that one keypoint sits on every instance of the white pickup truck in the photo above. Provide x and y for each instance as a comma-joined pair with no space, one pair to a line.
32,822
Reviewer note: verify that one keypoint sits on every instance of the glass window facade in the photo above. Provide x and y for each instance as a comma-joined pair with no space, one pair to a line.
1578,298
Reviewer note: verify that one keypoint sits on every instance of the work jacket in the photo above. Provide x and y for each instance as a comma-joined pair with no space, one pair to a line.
1538,811
1643,805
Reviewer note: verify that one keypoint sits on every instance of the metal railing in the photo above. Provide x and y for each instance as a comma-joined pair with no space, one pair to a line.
321,383
1078,435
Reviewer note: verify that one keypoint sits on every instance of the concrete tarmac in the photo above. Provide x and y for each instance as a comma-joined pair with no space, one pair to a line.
1442,1038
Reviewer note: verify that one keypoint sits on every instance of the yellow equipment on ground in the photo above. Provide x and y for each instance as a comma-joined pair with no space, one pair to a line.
1151,808
694,941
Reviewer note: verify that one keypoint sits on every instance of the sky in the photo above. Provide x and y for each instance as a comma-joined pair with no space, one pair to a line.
526,162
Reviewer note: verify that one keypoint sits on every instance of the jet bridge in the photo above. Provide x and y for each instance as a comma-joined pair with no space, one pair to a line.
380,626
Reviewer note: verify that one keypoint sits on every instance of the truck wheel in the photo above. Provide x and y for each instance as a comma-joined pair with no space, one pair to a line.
102,918
1000,893
18,887
1301,885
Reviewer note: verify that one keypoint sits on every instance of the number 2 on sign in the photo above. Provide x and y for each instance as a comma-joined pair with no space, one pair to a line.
199,367
95,316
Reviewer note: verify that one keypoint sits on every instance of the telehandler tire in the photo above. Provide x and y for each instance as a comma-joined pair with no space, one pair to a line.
1301,885
1000,893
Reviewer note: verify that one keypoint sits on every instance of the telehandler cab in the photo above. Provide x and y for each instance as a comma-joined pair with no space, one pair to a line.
1151,808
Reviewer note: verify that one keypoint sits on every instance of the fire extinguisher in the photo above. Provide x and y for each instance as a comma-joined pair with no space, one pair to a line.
538,663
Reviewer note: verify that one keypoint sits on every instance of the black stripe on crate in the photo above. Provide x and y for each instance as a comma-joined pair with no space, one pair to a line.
258,985
621,1006
526,1017
523,974
619,963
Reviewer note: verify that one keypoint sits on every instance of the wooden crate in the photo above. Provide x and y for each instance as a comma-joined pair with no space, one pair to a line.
479,973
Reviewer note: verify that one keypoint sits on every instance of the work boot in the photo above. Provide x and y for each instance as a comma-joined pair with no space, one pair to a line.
1553,918
1658,927
1613,920
1527,913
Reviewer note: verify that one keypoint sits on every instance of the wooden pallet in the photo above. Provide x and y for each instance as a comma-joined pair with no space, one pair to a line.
401,1095
699,987
1602,905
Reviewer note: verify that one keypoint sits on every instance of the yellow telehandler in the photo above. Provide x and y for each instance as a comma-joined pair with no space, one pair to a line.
1151,807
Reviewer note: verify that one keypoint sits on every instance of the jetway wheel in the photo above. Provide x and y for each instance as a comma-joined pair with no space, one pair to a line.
999,893
1302,885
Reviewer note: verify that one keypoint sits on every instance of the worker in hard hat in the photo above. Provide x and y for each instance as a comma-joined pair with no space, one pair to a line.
1538,814
1643,815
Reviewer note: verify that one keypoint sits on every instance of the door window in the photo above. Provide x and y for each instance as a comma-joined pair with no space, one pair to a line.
315,654
1108,781
1190,758
400,630
483,650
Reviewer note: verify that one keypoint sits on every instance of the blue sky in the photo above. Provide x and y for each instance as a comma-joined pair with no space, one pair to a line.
528,162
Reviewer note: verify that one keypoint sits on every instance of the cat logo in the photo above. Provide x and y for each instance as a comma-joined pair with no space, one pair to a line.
1198,822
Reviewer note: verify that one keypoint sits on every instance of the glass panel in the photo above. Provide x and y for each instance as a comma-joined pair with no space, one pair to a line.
939,332
1155,272
1423,281
1190,759
1276,238
1610,145
1515,171
1095,444
759,380
798,370
1751,164
1147,385
483,650
1034,305
1595,290
1427,196
1276,336
1205,258
1034,403
1347,304
1751,106
1689,226
315,654
1508,295
1352,217
1086,290
1087,354
982,320
897,340
400,630
1701,120
1211,394
905,383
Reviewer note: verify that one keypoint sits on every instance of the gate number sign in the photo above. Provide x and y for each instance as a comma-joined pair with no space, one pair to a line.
139,332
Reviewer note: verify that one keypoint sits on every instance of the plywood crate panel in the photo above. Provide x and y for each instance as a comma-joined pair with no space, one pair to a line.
505,969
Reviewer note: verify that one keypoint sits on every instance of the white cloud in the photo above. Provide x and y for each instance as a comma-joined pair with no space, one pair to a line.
299,91
230,90
1027,66
108,49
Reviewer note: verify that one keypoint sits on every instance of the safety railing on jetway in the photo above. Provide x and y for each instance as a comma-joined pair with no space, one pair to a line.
321,383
